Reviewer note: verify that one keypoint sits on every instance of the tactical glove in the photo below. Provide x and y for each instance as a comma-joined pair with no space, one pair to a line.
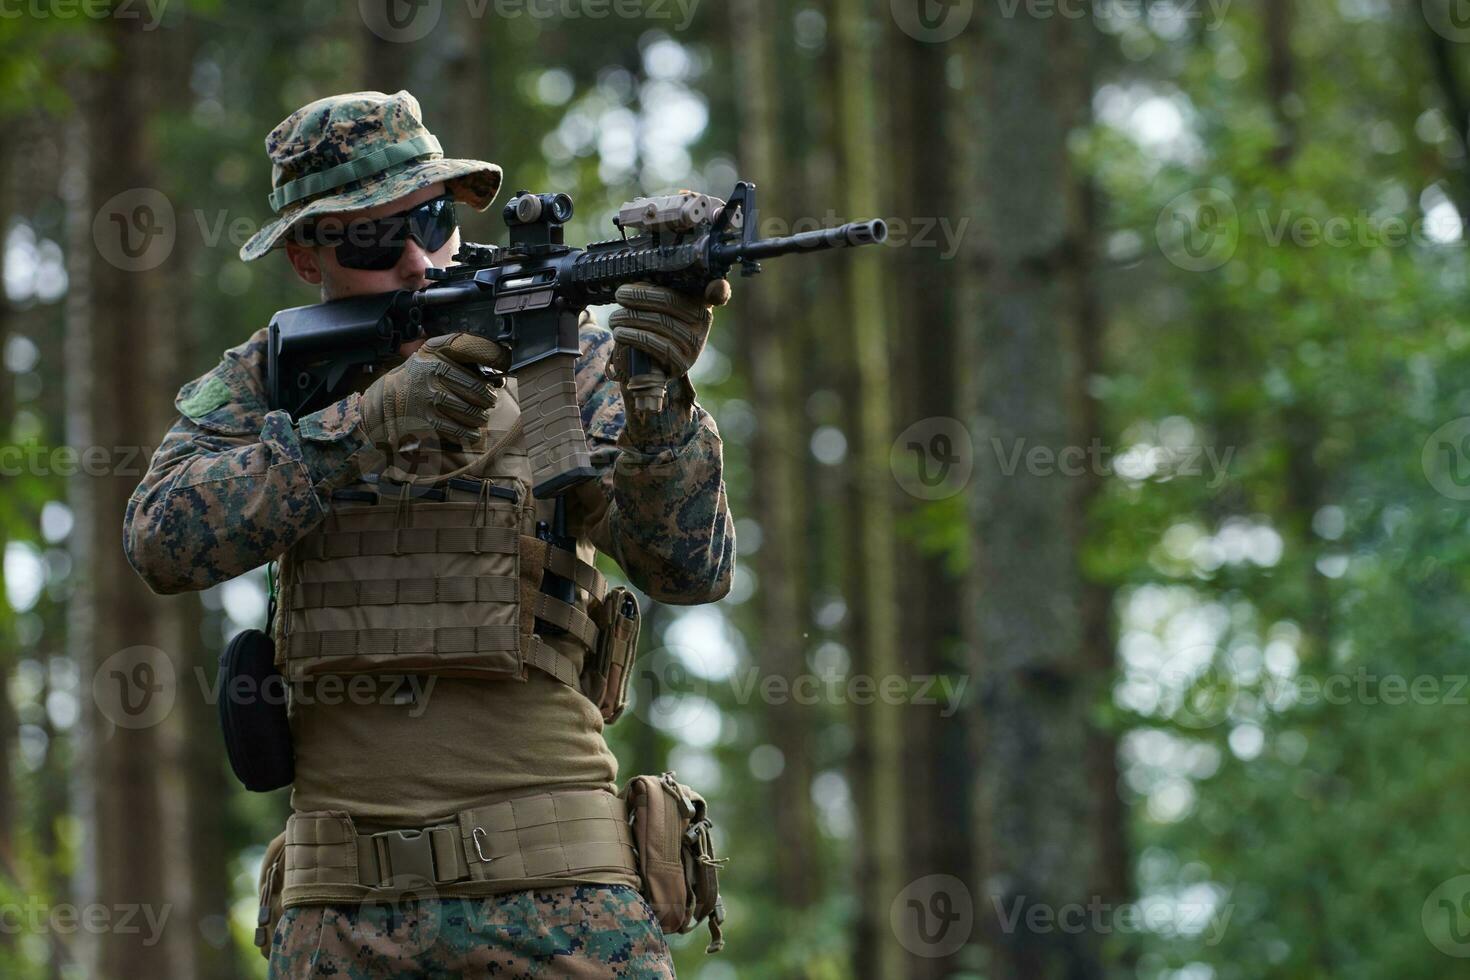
438,387
668,325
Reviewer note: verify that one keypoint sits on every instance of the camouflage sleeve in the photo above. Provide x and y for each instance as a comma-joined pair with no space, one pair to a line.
233,485
659,509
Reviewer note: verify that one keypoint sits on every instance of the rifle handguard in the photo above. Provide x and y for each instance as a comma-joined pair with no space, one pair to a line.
553,425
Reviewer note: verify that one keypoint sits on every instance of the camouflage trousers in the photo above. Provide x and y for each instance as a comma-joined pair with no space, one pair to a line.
576,931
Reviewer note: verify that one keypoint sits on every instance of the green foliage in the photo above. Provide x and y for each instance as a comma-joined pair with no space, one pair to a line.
1321,822
1310,552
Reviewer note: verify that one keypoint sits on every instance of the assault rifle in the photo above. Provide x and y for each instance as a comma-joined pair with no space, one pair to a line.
529,296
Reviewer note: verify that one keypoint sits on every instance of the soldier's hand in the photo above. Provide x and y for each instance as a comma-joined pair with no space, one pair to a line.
669,326
438,387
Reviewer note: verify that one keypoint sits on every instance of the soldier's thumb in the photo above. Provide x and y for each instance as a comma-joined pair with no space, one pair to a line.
468,348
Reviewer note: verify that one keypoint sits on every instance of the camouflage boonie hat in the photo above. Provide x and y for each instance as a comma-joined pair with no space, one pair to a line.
358,150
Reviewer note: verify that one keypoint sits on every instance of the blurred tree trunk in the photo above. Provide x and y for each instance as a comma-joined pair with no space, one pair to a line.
1113,881
767,346
9,804
1037,804
202,787
1443,60
470,111
1281,76
924,352
50,782
81,497
876,764
34,179
1302,427
387,64
207,792
111,334
7,615
195,786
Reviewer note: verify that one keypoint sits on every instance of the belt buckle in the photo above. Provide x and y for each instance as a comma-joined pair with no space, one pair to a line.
408,853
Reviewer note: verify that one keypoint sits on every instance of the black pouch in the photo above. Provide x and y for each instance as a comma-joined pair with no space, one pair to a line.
252,713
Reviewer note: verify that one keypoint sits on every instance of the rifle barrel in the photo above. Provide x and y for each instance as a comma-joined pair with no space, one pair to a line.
849,235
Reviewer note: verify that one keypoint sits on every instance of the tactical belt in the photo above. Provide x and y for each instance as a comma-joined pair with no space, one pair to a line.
549,835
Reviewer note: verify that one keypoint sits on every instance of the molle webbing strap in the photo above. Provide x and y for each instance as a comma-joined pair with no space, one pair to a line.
567,617
409,541
539,654
550,835
536,553
504,638
568,565
388,592
445,639
321,849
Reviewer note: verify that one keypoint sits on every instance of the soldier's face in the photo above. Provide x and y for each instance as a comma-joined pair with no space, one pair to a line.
318,265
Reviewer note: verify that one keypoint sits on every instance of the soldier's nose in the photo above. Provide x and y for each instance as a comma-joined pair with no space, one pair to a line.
412,266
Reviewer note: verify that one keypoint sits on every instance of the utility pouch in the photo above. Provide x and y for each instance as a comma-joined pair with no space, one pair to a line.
605,676
272,877
252,713
676,856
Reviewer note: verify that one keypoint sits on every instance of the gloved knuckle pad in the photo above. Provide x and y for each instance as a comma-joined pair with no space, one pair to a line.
644,340
626,316
450,429
640,319
449,400
659,299
633,293
684,331
473,418
460,413
471,386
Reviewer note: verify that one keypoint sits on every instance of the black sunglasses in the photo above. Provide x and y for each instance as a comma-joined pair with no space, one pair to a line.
375,244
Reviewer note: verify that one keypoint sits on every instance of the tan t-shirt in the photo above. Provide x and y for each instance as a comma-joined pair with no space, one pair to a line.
466,743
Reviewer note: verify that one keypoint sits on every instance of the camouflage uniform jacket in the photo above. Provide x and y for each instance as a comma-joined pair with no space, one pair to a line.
234,485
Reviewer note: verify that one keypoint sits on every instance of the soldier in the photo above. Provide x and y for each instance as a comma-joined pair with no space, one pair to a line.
491,788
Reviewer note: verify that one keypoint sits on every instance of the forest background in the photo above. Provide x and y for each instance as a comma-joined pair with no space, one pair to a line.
1100,607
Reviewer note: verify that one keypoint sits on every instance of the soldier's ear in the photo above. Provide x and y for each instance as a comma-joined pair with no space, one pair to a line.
305,261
